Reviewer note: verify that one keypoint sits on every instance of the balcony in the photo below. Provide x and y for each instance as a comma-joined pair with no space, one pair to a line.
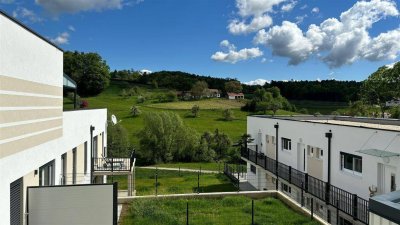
343,200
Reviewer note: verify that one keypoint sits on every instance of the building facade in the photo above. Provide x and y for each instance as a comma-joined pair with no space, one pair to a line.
357,157
40,144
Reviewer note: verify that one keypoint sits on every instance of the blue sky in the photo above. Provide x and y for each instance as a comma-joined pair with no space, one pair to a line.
243,39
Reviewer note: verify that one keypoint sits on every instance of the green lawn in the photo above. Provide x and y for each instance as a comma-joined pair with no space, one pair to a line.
232,210
173,182
320,106
217,103
194,165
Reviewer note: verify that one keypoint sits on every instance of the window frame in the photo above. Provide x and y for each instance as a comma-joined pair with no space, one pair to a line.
286,144
354,158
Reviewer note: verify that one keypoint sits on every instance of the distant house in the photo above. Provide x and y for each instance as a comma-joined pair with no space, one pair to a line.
233,96
214,93
394,102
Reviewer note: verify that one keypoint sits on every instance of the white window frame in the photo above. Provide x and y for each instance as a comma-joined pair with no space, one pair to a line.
354,158
286,144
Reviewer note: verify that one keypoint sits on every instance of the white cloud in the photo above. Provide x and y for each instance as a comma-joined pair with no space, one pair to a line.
61,39
26,14
288,7
233,56
391,65
337,41
315,10
256,7
71,28
74,6
257,82
300,19
257,23
263,60
145,71
287,41
304,7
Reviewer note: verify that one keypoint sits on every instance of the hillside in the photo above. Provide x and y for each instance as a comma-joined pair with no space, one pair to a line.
209,119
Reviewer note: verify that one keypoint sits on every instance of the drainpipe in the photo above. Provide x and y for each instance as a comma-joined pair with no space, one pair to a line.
329,136
91,153
276,126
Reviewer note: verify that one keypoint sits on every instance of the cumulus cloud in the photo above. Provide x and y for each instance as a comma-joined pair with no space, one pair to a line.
74,6
337,41
300,19
62,38
26,14
233,56
145,71
257,23
257,82
253,15
71,28
287,41
288,7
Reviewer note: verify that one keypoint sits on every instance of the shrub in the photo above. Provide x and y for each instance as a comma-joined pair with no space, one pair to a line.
135,111
227,114
140,99
195,110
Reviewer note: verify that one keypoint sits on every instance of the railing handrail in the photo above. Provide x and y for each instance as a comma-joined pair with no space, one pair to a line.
318,188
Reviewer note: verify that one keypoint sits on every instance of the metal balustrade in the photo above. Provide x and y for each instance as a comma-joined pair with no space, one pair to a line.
343,200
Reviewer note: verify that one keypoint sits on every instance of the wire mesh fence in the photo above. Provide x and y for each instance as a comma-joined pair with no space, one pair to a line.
239,210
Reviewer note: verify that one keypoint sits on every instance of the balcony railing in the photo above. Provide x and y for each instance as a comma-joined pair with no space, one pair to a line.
342,200
107,164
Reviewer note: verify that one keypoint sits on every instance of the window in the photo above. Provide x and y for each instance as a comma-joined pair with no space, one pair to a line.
286,144
64,169
267,138
320,153
273,140
85,157
46,174
253,169
351,163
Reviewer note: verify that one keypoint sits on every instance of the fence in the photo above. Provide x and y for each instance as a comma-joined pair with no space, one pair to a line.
344,201
236,210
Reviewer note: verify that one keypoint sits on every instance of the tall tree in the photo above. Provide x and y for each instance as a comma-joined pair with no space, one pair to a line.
89,70
382,86
233,86
199,89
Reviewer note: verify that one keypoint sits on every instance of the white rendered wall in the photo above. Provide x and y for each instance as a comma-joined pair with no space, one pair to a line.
345,139
76,130
28,57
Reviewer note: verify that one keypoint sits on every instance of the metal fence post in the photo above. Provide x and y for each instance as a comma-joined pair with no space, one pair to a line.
252,211
312,208
156,182
355,206
198,182
187,213
337,212
302,194
306,182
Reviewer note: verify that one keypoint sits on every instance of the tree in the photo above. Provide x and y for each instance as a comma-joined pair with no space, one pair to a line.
171,96
89,70
382,86
233,86
357,108
227,114
118,141
221,144
135,111
274,106
395,112
199,89
166,138
195,110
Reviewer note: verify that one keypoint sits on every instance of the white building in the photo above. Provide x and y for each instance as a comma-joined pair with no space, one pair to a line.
357,155
40,144
393,102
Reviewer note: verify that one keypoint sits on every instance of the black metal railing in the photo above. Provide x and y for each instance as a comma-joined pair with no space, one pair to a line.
112,164
343,200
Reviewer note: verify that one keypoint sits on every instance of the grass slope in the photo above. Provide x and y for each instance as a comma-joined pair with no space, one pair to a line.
321,107
227,210
209,119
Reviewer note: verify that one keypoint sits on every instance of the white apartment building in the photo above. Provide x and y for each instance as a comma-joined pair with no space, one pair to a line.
358,155
40,144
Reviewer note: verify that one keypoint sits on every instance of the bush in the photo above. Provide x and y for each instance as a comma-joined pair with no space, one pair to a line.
135,111
123,93
303,111
195,110
395,112
140,99
227,114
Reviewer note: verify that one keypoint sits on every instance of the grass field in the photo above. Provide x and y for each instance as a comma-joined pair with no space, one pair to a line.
174,182
227,210
203,104
213,166
209,118
321,107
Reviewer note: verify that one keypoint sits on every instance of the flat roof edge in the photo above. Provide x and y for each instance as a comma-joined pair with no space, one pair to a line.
2,12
